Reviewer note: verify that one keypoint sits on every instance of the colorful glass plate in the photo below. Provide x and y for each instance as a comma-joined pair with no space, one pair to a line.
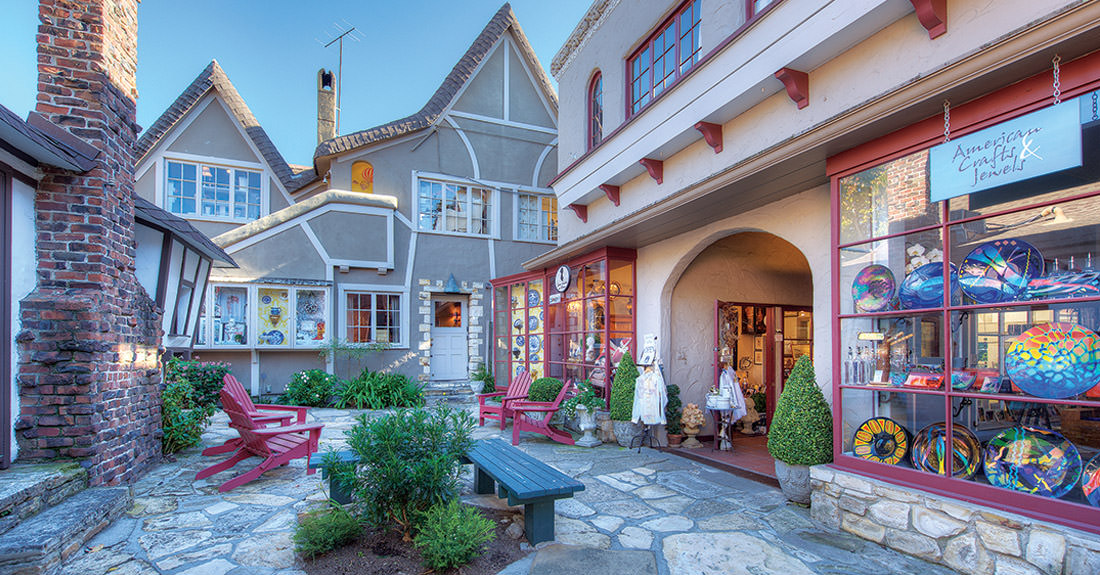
1064,285
926,452
1000,271
1054,360
1090,481
923,287
881,439
1032,460
873,288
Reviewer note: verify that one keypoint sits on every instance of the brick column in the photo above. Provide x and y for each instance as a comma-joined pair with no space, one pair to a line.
89,373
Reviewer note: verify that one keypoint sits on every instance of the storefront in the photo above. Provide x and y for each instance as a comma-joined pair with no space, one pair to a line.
1000,201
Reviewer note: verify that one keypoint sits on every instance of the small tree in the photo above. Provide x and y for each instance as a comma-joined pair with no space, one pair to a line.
622,389
802,429
672,410
544,389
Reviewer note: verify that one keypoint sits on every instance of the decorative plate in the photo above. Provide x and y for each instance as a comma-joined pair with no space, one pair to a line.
1000,271
1054,360
532,323
1032,460
927,451
881,439
923,287
534,357
520,341
534,343
533,298
1064,284
962,380
265,300
1090,481
273,337
873,288
518,324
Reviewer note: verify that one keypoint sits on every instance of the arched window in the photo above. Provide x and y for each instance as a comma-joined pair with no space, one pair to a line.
595,111
362,177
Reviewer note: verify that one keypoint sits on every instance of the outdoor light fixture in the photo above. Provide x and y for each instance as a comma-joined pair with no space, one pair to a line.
451,286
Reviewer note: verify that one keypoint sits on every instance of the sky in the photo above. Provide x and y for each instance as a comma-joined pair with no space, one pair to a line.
270,50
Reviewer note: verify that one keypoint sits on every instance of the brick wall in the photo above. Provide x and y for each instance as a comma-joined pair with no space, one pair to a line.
89,374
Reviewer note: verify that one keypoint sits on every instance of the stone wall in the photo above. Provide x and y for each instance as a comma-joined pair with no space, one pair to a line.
969,538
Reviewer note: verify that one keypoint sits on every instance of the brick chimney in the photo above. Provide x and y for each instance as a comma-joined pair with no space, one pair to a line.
89,372
326,105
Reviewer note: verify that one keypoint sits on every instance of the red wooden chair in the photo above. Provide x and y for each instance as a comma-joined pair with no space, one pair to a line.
517,390
234,387
535,416
276,445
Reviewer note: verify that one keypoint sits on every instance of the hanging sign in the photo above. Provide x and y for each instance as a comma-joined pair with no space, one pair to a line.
562,279
1039,143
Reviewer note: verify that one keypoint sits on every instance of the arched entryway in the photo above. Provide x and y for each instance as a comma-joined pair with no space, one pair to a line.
744,302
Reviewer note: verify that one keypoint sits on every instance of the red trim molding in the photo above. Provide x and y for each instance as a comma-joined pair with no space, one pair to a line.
712,133
797,84
932,15
612,192
581,210
656,169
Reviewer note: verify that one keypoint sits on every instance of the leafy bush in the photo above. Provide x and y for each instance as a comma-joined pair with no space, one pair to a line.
322,531
485,376
451,534
586,396
182,420
672,410
801,432
759,401
205,378
544,389
408,462
622,390
377,390
313,387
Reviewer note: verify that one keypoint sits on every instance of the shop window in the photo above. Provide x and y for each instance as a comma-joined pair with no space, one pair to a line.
372,317
595,111
362,177
665,56
230,317
538,217
284,317
311,311
455,208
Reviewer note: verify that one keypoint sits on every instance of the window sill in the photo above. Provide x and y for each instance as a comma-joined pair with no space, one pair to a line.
215,219
540,242
460,234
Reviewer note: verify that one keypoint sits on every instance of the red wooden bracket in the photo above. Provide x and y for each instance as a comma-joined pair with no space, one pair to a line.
581,210
612,192
712,133
656,168
797,84
932,15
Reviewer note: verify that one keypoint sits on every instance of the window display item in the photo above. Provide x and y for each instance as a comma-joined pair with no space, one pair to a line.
962,380
881,439
927,451
1054,360
924,380
1000,271
1064,285
873,288
1033,460
650,398
923,287
1090,481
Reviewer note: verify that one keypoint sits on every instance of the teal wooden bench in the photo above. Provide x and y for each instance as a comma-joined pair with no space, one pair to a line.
525,481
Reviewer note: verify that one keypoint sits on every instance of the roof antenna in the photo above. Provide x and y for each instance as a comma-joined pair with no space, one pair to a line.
341,30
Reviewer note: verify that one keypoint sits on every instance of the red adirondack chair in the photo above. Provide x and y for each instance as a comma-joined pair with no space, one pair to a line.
517,390
276,445
535,416
234,387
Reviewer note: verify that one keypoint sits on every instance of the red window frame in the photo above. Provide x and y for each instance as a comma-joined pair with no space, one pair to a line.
751,10
595,110
664,50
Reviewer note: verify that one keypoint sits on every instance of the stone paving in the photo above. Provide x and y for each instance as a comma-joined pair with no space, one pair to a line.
694,519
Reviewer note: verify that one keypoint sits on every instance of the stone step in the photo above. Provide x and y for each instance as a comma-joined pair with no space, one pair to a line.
28,489
39,544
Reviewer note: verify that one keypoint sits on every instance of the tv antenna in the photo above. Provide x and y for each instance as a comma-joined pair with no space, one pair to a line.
341,30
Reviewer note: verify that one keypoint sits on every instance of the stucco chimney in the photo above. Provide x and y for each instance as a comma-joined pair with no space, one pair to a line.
326,105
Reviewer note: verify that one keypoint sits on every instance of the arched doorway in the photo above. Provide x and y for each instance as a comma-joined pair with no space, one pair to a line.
744,302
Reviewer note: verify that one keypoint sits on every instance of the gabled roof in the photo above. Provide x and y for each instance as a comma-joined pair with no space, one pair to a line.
501,22
148,213
214,77
41,142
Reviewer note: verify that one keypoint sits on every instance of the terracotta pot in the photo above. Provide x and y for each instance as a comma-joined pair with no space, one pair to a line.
674,439
794,480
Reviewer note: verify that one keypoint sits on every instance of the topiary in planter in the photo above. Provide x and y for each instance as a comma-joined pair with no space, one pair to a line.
672,410
544,389
801,432
622,389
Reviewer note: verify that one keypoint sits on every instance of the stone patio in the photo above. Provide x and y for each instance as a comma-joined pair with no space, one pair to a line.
691,518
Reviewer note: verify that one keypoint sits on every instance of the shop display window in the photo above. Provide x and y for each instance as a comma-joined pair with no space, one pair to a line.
284,317
311,310
230,317
973,321
273,325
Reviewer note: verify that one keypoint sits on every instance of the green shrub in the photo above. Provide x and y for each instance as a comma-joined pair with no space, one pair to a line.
801,432
378,390
544,389
205,378
622,390
182,420
313,387
672,410
759,401
586,396
408,461
322,531
451,534
485,376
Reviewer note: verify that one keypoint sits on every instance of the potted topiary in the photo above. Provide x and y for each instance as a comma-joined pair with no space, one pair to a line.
622,401
801,433
673,429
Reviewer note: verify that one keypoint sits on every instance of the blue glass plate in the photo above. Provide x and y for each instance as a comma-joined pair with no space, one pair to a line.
1000,271
923,287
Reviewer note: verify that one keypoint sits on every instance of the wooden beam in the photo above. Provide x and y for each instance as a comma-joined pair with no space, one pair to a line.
612,192
656,169
712,133
581,210
932,15
797,84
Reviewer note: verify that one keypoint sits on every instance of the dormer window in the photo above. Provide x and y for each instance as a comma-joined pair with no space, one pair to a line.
206,191
595,111
665,56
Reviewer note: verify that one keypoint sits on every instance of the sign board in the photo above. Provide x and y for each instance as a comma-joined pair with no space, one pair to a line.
562,278
871,336
1034,145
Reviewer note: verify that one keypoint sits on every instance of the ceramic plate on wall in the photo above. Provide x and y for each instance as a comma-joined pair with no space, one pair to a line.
873,288
1000,271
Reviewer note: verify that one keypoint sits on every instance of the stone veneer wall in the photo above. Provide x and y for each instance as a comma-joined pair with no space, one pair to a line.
89,371
475,329
967,537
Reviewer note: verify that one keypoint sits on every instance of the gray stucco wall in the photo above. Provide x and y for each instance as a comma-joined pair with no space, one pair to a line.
483,94
146,185
524,104
352,236
240,363
277,367
213,133
277,200
288,254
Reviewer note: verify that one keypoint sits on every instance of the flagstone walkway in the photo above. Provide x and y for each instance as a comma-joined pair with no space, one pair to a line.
694,519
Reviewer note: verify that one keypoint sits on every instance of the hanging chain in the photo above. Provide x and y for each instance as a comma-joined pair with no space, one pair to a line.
1094,116
1057,79
946,121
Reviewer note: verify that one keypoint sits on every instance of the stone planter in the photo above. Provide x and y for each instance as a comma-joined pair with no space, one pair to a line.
794,480
476,385
691,442
625,431
586,421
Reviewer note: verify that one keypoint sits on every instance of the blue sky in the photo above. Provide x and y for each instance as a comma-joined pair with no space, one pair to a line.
270,52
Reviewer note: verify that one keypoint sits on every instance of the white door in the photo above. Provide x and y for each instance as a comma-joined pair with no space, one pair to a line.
450,351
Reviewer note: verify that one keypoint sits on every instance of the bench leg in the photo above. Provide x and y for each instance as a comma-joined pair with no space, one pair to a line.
538,521
483,484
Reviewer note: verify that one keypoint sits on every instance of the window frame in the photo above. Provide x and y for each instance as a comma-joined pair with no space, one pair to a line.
492,203
233,168
252,320
375,290
518,209
594,139
647,48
